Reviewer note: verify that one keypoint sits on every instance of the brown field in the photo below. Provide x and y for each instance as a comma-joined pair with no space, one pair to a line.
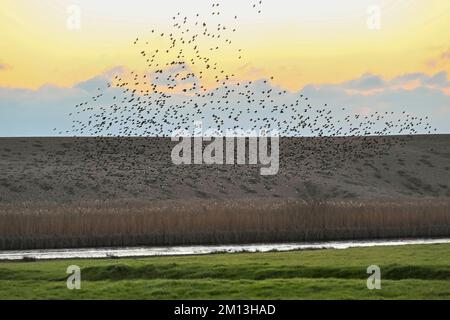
63,192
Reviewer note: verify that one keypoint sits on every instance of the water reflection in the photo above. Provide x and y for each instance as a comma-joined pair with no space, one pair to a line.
196,250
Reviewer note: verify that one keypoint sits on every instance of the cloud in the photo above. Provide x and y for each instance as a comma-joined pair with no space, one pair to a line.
4,66
366,82
25,112
249,71
369,83
100,81
439,80
417,93
417,76
440,60
179,75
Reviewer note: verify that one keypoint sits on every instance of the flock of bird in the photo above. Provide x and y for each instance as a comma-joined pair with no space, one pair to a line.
185,83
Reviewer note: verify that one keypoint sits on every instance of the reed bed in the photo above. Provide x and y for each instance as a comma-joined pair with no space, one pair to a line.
111,224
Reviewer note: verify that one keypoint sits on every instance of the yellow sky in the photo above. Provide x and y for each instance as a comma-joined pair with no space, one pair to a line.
299,42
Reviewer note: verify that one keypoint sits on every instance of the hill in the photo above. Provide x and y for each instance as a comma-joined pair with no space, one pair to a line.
69,170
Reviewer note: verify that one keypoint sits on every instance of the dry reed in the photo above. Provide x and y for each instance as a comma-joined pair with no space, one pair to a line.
216,222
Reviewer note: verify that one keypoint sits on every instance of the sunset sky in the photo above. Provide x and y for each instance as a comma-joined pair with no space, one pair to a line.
303,44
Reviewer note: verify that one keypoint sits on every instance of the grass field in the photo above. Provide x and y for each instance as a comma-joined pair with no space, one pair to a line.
408,272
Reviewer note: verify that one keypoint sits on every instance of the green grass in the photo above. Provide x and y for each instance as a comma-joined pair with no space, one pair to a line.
408,272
